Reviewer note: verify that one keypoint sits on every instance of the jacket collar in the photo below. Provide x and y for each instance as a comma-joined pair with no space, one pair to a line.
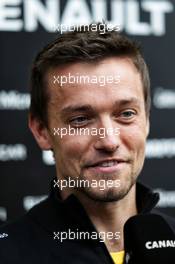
54,213
146,199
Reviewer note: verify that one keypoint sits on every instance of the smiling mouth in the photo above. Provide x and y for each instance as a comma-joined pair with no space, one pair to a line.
106,164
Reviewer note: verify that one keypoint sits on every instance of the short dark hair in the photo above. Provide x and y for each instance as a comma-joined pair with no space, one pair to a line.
82,46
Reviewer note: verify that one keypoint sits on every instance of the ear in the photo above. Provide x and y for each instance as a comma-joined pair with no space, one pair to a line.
40,133
147,126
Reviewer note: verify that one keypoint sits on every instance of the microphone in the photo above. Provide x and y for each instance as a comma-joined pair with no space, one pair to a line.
149,239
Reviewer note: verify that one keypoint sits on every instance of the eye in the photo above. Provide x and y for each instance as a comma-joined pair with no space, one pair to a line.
79,121
128,114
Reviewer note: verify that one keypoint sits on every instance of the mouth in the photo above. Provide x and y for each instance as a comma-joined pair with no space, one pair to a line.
108,165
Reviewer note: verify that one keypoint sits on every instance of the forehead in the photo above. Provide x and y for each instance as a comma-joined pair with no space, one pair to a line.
94,94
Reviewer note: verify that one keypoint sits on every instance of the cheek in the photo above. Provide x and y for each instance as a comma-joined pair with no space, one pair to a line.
134,138
71,148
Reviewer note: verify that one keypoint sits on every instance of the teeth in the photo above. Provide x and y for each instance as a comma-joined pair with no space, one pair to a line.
108,164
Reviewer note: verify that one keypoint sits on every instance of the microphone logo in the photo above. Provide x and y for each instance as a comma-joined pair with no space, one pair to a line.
160,244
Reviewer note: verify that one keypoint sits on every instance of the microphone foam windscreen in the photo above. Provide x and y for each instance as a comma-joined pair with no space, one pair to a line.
149,239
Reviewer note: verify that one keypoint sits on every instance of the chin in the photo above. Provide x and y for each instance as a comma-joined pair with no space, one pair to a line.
107,195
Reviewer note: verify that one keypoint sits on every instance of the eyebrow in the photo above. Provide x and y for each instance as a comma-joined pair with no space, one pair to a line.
130,100
88,108
77,108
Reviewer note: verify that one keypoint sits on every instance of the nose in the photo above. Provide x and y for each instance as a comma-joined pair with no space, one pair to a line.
110,141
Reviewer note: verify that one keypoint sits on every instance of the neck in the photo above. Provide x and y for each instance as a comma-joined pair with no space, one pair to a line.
110,217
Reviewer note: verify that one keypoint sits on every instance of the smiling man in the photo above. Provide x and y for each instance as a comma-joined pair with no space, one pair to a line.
100,214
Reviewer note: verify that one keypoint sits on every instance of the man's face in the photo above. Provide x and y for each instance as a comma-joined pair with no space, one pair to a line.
91,157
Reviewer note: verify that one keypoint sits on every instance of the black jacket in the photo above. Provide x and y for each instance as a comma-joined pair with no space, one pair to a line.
33,238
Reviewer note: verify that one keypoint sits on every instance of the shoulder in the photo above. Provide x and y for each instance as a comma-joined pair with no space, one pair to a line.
24,238
168,219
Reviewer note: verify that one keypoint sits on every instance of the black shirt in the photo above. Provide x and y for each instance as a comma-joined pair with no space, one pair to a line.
34,237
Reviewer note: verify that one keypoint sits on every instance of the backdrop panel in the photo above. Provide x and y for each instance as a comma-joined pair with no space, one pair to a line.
25,26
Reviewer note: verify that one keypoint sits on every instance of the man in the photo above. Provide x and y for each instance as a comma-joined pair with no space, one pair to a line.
82,84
